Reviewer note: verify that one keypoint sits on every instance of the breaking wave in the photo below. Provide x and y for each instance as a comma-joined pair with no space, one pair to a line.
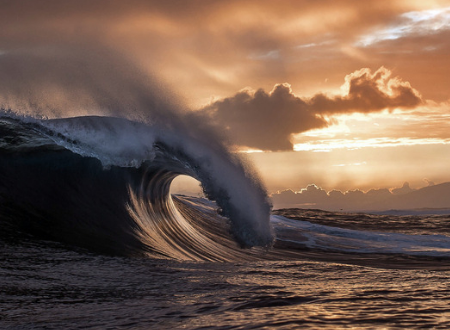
103,183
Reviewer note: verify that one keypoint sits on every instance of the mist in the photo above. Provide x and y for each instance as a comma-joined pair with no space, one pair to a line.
63,60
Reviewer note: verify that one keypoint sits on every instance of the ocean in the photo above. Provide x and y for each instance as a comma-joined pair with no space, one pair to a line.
91,238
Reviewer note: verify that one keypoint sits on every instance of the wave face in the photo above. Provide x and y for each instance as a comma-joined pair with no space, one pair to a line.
103,183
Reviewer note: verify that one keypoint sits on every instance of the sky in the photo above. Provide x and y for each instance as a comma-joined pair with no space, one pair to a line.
342,94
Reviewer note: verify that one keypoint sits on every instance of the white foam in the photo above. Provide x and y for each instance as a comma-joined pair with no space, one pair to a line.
117,141
357,241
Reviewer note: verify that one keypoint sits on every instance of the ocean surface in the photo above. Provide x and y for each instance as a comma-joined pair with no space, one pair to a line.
91,238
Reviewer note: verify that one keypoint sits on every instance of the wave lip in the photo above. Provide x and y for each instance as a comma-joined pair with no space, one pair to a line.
103,183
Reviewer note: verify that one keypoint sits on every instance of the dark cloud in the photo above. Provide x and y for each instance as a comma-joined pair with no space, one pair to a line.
267,120
433,196
264,120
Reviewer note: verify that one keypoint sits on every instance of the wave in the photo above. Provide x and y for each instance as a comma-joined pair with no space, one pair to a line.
104,183
335,239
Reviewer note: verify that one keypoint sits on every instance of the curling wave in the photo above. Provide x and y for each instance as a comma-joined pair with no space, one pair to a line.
103,183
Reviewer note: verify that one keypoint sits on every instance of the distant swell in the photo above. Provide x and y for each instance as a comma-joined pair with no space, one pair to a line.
103,183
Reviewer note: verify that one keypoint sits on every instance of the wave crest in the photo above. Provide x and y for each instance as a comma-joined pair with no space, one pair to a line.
129,167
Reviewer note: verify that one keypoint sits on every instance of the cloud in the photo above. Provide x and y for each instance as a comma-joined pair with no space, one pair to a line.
211,49
267,120
419,23
206,48
433,196
429,182
367,92
57,60
403,190
264,120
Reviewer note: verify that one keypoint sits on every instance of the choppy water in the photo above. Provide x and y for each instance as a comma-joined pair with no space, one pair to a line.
45,286
90,238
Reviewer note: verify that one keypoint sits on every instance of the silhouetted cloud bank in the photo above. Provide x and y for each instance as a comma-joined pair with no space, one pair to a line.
266,121
432,196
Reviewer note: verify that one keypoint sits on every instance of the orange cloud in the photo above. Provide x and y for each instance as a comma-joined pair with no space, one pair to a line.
267,120
216,47
367,92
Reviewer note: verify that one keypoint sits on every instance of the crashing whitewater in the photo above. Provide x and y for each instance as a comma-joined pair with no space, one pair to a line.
103,184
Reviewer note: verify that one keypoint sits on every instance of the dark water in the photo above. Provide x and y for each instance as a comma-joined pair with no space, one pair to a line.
44,286
91,238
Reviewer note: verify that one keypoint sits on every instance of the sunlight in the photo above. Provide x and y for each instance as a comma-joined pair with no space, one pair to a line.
353,144
186,185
